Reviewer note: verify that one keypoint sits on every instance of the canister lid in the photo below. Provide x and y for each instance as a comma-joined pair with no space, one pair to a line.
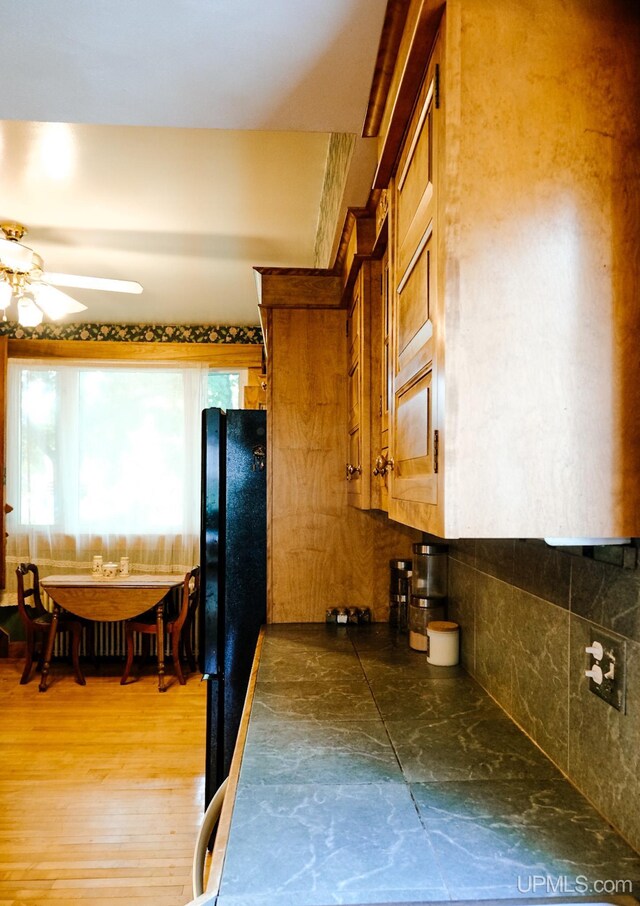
430,549
442,626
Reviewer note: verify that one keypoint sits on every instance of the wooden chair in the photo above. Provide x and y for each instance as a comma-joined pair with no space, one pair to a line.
37,623
187,629
175,627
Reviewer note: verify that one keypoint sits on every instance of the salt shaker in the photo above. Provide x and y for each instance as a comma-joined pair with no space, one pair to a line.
124,566
96,565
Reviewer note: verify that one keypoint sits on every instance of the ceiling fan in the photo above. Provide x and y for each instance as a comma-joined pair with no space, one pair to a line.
23,280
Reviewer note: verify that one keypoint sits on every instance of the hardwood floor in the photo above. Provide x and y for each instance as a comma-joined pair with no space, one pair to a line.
101,788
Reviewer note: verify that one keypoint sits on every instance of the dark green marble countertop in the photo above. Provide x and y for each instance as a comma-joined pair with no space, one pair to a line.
369,776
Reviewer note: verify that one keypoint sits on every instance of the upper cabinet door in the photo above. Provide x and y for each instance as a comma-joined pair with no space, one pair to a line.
358,462
381,381
413,418
414,208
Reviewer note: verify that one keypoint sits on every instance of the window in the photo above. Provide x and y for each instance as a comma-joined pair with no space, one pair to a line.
106,449
225,388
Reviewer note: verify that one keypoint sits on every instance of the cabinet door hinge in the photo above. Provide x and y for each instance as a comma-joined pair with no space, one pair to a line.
436,450
437,86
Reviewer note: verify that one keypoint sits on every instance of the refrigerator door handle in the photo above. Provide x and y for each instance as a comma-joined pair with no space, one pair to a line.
259,458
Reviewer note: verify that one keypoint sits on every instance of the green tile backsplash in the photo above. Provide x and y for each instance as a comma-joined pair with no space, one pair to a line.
527,612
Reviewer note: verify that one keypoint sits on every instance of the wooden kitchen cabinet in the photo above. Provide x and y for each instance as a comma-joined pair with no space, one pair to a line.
515,222
321,552
360,395
381,381
508,161
414,431
255,390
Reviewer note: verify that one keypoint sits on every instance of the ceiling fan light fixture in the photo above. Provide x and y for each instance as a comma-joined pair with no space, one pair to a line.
29,315
23,280
6,292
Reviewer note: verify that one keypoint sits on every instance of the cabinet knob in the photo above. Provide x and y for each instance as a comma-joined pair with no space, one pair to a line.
352,471
383,465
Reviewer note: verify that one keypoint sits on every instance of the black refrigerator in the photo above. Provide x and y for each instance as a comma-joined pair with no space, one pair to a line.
233,562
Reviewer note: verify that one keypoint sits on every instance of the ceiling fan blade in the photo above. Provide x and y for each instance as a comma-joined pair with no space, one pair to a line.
53,302
15,256
102,283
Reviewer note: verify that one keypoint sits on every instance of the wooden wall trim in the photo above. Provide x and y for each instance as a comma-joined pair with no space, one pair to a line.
392,29
420,31
294,287
408,34
217,355
357,246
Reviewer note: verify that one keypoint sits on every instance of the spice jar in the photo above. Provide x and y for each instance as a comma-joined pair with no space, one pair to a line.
398,611
399,588
399,576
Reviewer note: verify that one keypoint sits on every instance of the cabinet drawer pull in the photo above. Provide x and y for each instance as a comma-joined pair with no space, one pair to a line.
352,471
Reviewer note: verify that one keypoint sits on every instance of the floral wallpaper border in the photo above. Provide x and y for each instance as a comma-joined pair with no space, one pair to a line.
135,333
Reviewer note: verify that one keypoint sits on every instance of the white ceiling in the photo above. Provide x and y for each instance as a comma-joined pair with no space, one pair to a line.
179,142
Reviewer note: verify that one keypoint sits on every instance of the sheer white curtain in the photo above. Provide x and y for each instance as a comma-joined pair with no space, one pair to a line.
103,458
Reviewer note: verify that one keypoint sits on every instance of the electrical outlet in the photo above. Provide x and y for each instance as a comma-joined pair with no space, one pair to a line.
607,661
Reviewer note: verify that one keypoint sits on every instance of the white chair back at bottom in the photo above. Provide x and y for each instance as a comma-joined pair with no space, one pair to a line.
209,821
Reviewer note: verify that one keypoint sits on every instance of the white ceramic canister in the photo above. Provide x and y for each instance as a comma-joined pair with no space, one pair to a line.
96,565
124,566
109,570
444,643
